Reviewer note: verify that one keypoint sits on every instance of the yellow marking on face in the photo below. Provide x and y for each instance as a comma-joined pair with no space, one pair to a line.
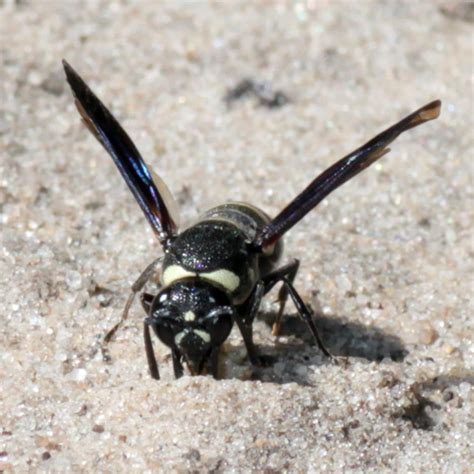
179,337
189,316
203,335
229,280
175,272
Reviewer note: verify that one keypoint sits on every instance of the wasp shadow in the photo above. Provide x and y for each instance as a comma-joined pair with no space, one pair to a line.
289,360
344,338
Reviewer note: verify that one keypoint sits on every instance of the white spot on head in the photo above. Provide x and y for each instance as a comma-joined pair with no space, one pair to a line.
189,316
229,280
175,272
163,297
203,335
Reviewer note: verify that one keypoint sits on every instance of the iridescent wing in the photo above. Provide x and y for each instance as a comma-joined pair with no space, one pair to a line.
153,197
339,173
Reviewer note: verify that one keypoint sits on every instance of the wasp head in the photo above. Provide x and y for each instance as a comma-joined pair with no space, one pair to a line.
192,317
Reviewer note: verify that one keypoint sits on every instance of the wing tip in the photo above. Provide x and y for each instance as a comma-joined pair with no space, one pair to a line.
79,88
430,111
68,69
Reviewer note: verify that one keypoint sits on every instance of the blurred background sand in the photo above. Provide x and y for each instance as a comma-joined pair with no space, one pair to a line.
386,260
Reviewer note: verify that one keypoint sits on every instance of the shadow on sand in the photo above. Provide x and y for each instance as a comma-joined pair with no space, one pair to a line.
342,338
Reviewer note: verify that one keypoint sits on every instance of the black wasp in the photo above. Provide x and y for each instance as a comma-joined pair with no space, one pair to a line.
217,271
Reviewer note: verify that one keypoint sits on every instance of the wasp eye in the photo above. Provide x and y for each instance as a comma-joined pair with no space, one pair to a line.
218,323
166,323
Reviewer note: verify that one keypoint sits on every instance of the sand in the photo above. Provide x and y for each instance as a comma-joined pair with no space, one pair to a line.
386,261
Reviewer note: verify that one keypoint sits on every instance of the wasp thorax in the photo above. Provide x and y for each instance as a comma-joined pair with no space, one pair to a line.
193,318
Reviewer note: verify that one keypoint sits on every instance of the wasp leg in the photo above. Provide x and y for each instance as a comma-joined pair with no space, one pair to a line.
280,275
136,287
289,270
244,319
214,362
146,300
150,353
177,366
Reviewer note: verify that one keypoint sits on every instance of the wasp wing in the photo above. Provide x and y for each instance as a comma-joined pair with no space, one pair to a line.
339,173
155,200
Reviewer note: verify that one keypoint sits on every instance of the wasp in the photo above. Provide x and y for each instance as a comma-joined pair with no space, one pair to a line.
216,272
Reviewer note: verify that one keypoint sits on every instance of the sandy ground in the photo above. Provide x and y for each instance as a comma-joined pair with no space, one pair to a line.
386,260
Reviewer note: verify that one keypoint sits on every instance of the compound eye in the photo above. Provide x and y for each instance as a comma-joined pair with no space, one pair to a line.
218,324
166,330
167,324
